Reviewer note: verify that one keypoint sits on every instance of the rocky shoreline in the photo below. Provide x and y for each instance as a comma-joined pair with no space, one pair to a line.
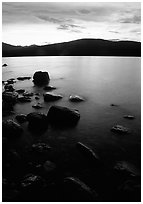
45,180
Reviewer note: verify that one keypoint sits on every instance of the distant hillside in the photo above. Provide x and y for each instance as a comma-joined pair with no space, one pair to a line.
83,47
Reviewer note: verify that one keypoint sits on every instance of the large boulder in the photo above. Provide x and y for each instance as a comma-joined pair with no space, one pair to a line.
41,78
58,115
51,97
37,121
11,129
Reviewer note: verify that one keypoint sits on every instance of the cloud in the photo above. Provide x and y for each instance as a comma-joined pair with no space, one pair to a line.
133,19
112,31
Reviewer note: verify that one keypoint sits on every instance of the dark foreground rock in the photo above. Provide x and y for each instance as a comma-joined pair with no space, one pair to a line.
21,118
75,98
23,78
75,190
9,97
37,121
49,88
11,129
41,78
58,115
51,97
89,154
120,129
130,117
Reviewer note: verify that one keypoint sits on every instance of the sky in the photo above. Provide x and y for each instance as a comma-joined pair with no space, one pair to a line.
28,23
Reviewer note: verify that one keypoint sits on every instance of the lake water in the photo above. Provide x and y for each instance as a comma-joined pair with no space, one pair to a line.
101,81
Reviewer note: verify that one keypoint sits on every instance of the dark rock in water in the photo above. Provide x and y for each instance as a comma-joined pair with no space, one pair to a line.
23,78
37,94
76,190
112,104
37,98
21,118
37,121
11,81
75,98
9,87
51,97
28,94
37,106
89,154
130,117
125,168
41,147
41,78
24,99
9,97
4,65
20,91
32,182
11,129
49,88
49,167
120,129
58,115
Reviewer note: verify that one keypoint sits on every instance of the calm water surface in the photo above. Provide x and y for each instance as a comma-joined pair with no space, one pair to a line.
101,81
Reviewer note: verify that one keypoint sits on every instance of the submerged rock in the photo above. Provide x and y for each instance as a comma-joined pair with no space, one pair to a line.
9,87
9,97
51,97
4,65
24,99
37,121
112,104
75,98
131,117
41,147
88,153
23,78
21,118
120,129
41,78
76,190
63,116
11,129
49,88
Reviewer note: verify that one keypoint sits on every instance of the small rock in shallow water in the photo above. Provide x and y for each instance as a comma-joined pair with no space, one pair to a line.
131,117
59,115
11,129
24,99
20,91
37,98
41,147
37,106
76,190
51,97
120,129
4,65
21,118
23,78
76,98
49,88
